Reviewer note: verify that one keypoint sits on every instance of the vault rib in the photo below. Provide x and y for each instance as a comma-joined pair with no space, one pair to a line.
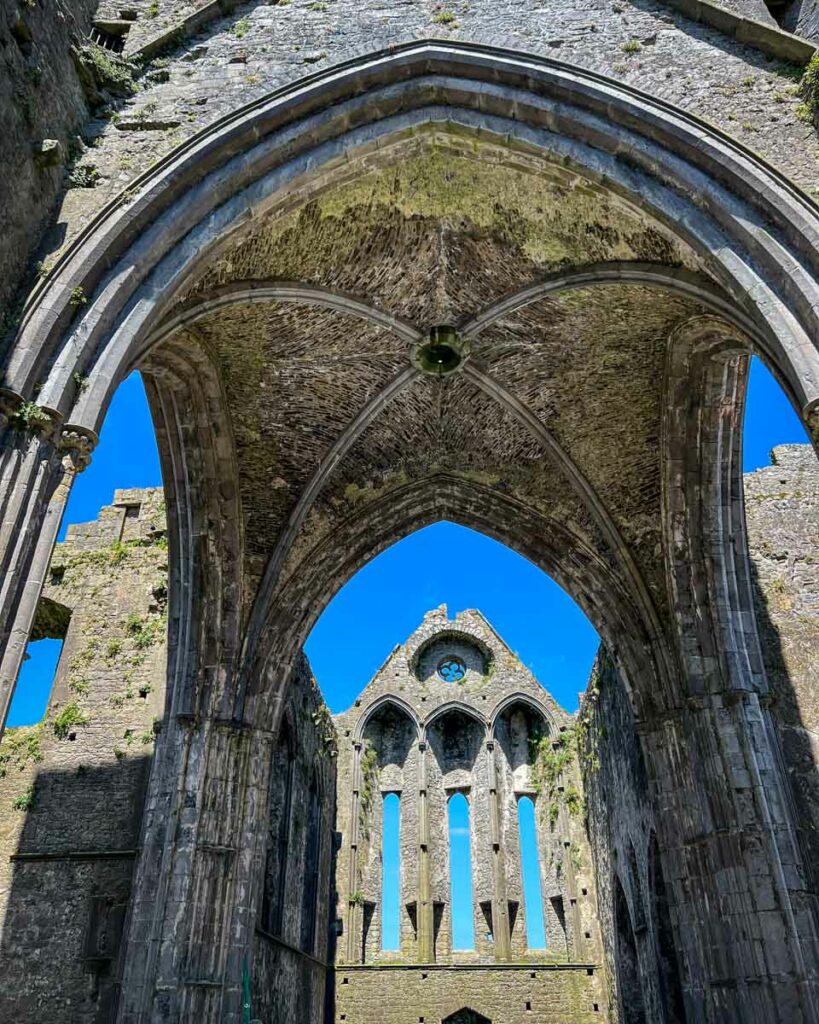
257,292
335,454
582,488
675,279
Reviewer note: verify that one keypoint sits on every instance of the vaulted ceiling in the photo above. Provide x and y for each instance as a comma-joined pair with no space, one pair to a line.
314,311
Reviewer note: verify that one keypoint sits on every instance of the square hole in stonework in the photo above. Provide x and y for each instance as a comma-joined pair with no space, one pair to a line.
595,1007
529,1007
345,981
587,934
533,974
590,971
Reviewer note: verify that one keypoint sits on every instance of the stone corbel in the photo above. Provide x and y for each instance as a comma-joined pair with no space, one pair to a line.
77,443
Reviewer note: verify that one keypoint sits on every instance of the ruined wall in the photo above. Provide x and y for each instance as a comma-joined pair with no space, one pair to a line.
72,789
507,994
453,710
782,514
73,786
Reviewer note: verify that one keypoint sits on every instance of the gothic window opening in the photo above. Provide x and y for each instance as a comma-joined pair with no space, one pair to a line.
460,874
466,1016
312,860
391,873
281,802
530,874
629,983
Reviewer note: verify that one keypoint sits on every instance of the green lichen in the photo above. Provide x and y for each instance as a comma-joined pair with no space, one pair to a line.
84,176
145,632
109,72
551,760
369,784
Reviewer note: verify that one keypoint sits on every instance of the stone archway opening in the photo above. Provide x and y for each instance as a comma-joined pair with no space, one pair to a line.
294,291
466,1015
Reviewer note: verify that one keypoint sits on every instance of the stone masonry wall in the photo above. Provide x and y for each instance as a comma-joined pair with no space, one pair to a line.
42,107
195,61
72,788
782,514
290,965
516,994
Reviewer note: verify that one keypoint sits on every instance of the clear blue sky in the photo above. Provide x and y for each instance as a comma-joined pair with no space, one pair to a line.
441,564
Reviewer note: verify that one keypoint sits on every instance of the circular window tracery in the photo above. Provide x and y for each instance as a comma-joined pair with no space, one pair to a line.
451,669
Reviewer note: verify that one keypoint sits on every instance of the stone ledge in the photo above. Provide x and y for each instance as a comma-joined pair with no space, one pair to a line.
186,28
770,40
767,38
36,855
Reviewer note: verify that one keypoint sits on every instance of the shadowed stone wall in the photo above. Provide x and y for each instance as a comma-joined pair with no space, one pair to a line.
782,512
72,790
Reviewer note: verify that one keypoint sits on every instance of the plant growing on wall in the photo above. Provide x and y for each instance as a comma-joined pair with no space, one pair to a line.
66,719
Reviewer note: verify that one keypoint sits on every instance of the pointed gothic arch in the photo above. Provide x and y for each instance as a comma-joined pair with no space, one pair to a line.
238,618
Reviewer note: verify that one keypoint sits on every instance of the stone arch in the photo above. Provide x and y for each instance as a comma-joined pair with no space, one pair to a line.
134,259
686,149
458,637
440,731
569,557
386,700
756,233
519,697
451,706
516,727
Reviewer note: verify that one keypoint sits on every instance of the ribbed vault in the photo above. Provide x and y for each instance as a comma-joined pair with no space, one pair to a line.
312,314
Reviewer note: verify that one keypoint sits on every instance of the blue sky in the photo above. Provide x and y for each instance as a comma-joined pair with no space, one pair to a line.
442,564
